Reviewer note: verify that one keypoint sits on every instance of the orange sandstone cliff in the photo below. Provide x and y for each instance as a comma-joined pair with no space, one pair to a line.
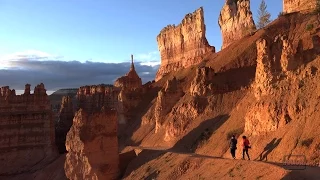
298,5
92,98
183,45
92,146
27,127
235,21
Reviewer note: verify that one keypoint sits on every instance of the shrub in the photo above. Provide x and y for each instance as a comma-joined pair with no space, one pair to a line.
317,10
307,142
309,27
281,14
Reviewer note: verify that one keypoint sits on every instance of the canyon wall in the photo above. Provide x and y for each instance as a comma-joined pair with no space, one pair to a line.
64,122
235,21
92,98
202,83
290,6
26,127
183,45
92,146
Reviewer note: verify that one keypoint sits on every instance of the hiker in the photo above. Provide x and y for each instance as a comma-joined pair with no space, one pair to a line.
233,146
246,146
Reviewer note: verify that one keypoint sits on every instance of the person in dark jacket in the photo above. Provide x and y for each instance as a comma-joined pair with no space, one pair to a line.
246,146
233,146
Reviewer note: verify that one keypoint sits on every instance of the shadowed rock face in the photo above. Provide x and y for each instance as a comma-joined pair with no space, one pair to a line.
92,146
26,127
298,5
183,45
235,21
64,123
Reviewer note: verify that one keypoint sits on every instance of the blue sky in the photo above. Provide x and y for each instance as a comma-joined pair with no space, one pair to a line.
99,30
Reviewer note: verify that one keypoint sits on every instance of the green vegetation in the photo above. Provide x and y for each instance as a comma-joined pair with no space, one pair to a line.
309,27
281,14
263,15
317,10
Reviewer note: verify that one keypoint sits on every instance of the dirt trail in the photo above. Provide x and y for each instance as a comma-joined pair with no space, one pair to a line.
305,172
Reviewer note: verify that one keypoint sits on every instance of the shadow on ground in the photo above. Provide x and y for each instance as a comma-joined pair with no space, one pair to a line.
183,146
268,149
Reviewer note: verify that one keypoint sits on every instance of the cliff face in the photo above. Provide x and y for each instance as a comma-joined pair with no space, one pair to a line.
27,127
298,5
64,123
278,60
183,45
201,84
166,99
92,146
235,21
92,98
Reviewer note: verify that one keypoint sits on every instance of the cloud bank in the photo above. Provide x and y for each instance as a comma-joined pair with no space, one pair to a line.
56,74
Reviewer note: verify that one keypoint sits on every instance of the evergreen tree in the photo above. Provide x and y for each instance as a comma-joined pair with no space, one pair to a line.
263,15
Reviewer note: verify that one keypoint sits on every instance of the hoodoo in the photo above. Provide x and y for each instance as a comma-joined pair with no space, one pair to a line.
183,45
131,80
235,21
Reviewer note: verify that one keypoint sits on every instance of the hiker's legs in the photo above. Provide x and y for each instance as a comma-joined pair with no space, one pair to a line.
233,152
243,153
247,154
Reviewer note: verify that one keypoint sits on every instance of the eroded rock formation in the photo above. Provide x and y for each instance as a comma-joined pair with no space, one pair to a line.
183,45
92,98
27,127
298,5
276,59
235,21
92,146
64,123
201,85
131,80
130,94
166,99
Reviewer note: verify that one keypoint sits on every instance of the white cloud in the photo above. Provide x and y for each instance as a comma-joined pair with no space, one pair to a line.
150,63
151,56
8,61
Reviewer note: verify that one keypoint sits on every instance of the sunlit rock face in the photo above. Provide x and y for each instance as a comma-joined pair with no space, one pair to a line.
235,21
129,81
92,146
183,45
298,5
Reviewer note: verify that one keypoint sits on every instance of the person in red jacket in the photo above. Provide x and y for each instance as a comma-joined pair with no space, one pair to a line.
246,146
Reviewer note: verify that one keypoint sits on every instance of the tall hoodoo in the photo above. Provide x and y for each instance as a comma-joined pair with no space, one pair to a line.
131,80
183,45
235,21
290,6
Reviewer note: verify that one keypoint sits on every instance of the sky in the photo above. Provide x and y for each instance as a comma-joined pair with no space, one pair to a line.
71,43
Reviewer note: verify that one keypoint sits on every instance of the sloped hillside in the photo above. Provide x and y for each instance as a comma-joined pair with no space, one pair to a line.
264,86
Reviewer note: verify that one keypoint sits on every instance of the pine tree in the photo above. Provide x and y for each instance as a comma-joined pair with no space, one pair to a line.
263,15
